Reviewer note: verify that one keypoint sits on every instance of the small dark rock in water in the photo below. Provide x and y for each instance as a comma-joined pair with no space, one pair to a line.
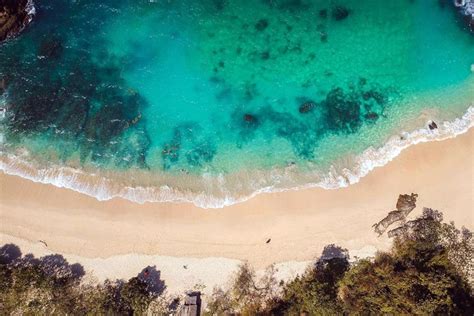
265,55
328,73
323,13
433,125
249,118
219,4
340,13
51,48
3,86
307,107
14,17
375,95
372,116
261,25
250,121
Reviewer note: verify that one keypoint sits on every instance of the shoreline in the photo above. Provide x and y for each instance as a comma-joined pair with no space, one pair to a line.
300,223
104,188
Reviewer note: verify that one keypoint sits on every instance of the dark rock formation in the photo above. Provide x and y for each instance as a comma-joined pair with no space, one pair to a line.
374,95
3,86
343,111
261,25
249,118
433,125
323,13
307,107
50,48
14,17
340,13
405,204
467,10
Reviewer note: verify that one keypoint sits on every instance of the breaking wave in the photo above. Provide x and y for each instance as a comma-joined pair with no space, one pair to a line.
105,188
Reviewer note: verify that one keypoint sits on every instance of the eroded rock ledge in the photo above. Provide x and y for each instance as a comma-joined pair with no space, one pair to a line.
405,204
15,15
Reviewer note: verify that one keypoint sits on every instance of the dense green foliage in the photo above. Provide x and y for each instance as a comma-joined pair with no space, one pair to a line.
425,273
246,295
50,286
315,292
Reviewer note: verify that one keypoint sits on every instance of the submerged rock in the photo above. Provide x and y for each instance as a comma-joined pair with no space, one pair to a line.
249,118
371,116
14,17
261,25
307,107
3,86
50,47
340,13
323,13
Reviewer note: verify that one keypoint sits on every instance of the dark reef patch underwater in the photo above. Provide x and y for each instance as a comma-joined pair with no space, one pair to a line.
211,101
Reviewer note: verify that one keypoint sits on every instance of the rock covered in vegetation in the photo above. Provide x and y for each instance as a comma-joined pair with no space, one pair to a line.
14,17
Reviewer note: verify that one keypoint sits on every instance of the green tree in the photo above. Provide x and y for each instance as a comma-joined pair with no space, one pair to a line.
136,295
315,292
421,275
51,286
31,288
246,295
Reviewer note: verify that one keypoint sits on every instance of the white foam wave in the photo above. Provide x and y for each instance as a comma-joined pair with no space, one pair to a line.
103,188
30,9
372,158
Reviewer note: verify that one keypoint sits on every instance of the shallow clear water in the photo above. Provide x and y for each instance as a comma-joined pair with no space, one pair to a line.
219,98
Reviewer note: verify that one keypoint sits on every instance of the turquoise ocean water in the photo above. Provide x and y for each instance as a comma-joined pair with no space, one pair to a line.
212,101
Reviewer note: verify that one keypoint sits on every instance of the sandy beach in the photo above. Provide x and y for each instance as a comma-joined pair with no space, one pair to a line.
117,238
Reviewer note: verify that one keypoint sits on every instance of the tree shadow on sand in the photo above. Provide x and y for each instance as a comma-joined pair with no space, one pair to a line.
51,265
9,253
333,252
152,277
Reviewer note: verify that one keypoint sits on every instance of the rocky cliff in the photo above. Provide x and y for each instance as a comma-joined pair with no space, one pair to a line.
14,17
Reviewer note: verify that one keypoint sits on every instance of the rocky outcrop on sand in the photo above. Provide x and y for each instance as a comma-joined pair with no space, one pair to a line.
14,17
405,204
467,9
